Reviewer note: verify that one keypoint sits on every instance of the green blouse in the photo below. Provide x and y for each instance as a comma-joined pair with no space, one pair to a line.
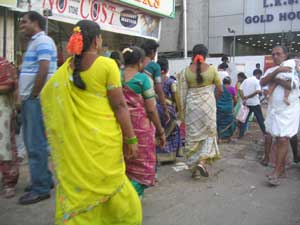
140,83
154,71
210,76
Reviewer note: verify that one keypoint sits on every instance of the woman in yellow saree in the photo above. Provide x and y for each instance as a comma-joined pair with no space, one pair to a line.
85,114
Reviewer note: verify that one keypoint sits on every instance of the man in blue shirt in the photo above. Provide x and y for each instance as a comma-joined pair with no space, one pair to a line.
39,63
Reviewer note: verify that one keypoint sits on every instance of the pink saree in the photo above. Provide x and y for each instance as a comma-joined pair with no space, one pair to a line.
142,168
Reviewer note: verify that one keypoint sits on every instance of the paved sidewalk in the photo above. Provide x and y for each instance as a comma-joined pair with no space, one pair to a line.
236,193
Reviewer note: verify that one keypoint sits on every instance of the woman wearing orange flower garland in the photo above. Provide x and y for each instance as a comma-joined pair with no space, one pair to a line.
85,114
196,88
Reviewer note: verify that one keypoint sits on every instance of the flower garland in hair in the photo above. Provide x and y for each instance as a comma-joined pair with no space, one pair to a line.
199,58
127,50
75,44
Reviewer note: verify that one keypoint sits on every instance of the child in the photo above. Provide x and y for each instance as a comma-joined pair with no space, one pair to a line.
294,64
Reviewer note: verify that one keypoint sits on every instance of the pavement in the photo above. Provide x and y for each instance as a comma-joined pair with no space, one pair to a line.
236,193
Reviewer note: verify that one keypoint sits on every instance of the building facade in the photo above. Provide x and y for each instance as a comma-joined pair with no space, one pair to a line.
123,22
234,27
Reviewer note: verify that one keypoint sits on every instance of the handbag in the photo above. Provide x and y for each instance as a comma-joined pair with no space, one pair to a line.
242,113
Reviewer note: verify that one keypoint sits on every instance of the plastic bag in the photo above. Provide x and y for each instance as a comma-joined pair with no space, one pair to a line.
242,114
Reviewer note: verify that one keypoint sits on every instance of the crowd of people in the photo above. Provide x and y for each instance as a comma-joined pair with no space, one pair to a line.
107,122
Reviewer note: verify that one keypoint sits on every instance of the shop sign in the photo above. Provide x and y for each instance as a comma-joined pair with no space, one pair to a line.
8,3
111,17
275,11
160,7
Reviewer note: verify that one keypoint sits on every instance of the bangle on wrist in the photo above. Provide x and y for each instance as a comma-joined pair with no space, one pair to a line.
131,141
161,133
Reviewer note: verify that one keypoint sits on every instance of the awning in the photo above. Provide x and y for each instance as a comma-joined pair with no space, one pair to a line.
110,16
164,8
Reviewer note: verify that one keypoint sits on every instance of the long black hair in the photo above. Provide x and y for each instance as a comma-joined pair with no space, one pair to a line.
201,50
150,46
89,30
164,64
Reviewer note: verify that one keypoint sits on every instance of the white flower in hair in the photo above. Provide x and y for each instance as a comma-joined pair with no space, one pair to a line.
127,50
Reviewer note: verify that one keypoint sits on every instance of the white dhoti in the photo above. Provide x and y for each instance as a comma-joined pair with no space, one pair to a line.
282,119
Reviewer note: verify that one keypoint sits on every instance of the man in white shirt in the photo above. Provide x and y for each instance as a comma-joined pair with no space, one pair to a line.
282,120
250,90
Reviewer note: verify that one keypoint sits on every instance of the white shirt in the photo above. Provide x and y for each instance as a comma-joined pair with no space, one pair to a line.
249,86
222,75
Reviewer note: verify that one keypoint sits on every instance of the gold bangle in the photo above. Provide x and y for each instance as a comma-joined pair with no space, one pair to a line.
161,133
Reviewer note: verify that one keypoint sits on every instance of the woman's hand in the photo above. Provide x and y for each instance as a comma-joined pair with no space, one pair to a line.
131,151
161,140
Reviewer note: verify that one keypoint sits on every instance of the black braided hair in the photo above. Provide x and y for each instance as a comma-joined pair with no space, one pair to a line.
199,49
90,30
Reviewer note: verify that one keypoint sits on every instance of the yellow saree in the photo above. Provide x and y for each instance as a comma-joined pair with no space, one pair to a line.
86,143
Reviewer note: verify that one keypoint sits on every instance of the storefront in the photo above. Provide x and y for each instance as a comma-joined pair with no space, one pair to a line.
123,22
256,26
7,29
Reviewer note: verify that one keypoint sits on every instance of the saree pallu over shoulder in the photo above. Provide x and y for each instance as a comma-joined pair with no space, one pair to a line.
86,143
199,106
142,168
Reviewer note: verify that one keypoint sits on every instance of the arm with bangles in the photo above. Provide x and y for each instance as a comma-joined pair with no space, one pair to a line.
161,96
151,110
119,106
175,97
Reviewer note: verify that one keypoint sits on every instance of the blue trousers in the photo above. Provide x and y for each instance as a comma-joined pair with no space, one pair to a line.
36,145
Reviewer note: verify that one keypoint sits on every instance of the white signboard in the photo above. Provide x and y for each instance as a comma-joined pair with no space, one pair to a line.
110,16
160,7
271,16
8,3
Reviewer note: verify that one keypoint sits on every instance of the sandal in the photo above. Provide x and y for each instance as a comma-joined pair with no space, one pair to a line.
273,181
203,171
